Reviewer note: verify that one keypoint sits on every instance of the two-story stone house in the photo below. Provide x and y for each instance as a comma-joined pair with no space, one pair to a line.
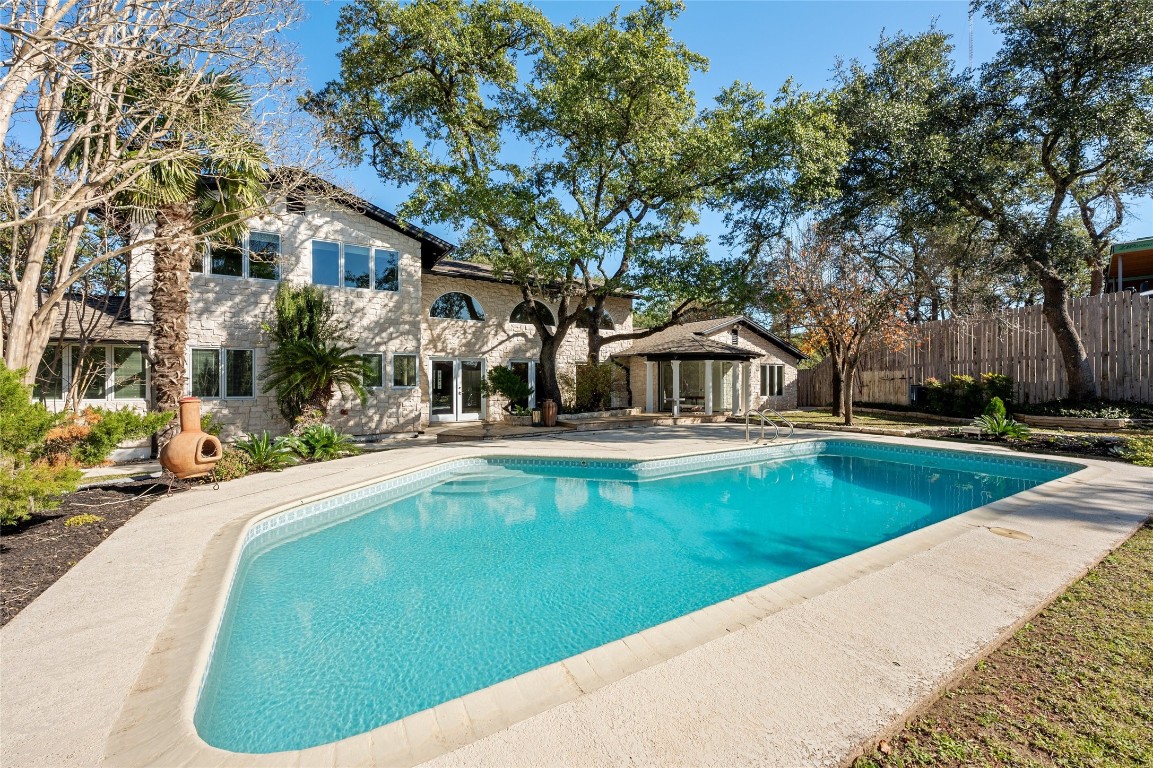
430,328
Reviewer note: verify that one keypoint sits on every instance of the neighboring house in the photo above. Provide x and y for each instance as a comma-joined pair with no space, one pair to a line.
430,328
1131,267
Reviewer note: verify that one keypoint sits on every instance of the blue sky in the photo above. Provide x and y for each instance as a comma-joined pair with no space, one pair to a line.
755,41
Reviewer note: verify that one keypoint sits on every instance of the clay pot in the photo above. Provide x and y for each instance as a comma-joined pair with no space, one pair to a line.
193,452
548,412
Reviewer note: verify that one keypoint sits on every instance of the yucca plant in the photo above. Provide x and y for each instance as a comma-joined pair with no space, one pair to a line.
320,442
267,454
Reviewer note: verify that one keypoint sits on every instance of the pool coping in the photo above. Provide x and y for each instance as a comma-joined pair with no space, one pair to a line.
155,725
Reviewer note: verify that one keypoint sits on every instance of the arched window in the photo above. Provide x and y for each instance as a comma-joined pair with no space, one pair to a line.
584,320
456,306
521,314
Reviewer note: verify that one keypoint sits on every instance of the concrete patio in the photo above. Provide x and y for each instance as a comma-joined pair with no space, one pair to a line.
101,669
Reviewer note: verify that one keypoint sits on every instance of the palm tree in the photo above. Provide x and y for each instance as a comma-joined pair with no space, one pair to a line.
314,370
213,185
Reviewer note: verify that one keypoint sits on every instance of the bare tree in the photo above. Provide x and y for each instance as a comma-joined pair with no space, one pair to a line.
96,96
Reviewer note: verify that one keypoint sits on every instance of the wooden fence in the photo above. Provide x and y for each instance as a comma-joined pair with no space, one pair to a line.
1116,329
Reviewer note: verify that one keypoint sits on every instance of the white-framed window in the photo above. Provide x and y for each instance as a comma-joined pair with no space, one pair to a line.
256,257
403,370
353,265
772,380
373,370
530,373
222,373
104,371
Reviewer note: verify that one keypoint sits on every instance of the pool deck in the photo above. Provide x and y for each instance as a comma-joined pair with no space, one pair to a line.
103,667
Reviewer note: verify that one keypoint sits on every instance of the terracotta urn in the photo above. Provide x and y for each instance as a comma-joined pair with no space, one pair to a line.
193,452
548,412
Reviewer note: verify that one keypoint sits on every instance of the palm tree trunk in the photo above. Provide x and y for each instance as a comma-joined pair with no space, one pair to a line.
172,262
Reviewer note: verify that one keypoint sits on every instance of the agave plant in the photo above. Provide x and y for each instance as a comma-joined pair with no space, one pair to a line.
267,454
320,442
999,425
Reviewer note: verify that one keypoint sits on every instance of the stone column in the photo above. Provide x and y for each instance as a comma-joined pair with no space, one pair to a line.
676,388
650,386
708,387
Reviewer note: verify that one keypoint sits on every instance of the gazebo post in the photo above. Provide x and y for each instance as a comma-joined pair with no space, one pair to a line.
650,386
676,388
738,408
708,387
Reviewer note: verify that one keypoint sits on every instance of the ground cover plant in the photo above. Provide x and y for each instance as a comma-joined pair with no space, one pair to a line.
1072,688
321,442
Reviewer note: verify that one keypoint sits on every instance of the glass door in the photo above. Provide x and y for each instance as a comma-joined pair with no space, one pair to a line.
442,391
471,378
455,390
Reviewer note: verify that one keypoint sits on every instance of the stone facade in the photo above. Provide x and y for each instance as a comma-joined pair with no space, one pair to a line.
233,312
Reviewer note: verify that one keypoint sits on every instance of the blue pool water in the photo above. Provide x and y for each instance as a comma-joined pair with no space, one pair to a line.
397,602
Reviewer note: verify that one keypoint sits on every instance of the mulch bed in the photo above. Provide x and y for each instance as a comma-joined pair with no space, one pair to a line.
34,554
1089,446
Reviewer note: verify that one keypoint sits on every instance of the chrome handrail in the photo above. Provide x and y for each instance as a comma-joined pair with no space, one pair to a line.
764,418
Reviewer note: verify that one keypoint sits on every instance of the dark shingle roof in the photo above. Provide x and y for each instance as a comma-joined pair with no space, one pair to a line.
691,340
92,318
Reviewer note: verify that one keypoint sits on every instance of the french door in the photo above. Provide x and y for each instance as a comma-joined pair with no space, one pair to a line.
454,390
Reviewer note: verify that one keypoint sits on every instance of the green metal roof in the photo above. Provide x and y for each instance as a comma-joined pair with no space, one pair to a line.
1145,243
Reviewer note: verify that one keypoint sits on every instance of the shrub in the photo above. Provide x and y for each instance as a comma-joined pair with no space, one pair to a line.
32,487
23,423
1090,409
995,407
232,464
210,424
963,395
109,427
320,442
85,519
1139,451
266,454
503,381
26,483
593,387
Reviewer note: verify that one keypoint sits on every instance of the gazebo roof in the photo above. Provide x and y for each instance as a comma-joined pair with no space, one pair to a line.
691,341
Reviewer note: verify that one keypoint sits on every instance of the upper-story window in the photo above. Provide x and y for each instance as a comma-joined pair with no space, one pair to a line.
349,265
456,306
521,314
584,320
256,256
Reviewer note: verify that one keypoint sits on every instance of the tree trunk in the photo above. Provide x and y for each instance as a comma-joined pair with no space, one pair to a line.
838,384
1097,279
1078,371
547,367
172,262
850,372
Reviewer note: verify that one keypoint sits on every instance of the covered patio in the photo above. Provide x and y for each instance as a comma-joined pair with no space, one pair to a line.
693,374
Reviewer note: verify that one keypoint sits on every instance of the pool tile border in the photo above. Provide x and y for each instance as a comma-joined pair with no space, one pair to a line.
156,725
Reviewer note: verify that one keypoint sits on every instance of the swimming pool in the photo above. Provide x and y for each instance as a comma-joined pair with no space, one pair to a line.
359,610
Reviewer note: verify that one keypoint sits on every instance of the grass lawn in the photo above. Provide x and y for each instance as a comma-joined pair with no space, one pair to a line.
825,416
1072,688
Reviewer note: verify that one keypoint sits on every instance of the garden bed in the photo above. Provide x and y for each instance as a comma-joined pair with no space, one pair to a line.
1074,423
1058,444
34,554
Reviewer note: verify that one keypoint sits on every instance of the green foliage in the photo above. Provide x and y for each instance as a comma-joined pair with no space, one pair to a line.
1090,409
110,427
210,424
1139,451
574,157
233,464
26,488
963,395
23,423
320,442
503,381
84,519
1001,426
312,357
266,454
996,407
593,386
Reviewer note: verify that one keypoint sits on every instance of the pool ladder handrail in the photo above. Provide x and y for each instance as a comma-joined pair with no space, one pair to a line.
763,415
